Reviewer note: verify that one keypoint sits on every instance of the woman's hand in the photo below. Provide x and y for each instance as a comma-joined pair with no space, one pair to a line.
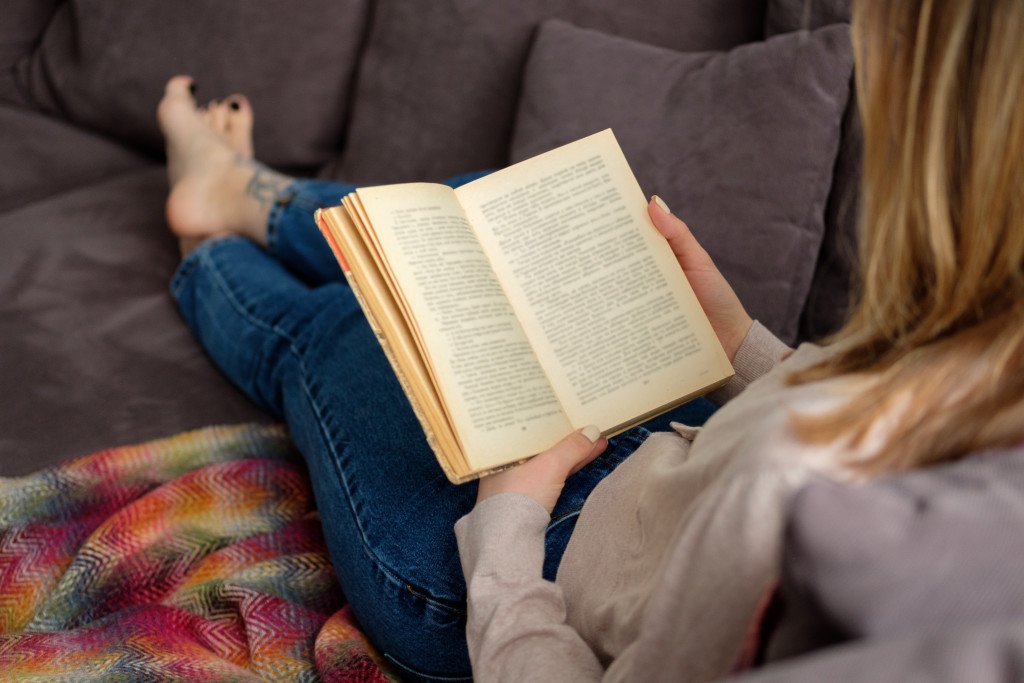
543,476
720,303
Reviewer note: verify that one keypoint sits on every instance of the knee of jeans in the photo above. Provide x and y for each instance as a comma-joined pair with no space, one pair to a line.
422,640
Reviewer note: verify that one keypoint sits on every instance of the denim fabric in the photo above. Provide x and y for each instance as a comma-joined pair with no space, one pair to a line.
285,328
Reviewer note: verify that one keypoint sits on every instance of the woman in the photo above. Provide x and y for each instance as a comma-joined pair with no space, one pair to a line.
681,532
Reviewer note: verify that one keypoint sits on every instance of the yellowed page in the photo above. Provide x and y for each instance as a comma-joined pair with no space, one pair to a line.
388,323
501,404
600,295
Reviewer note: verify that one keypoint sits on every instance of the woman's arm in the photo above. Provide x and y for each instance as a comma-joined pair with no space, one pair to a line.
516,628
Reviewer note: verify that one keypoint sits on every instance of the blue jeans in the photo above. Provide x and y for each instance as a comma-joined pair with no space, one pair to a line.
284,327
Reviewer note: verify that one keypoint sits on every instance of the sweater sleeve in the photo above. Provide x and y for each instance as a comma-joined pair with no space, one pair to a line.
516,628
758,354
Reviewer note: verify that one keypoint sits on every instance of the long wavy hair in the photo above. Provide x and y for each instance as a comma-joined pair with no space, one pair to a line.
937,322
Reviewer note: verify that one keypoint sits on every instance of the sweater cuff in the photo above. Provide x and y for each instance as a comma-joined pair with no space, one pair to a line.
503,537
758,354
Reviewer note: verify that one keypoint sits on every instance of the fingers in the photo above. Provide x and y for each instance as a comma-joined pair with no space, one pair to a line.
682,242
578,449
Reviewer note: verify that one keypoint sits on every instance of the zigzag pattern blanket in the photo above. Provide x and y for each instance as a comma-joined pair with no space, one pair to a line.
197,557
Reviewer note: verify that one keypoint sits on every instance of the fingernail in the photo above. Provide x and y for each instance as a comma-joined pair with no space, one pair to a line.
591,432
661,203
235,105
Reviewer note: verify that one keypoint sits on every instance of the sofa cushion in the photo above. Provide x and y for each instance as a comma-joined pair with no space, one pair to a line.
740,144
45,156
103,63
438,83
101,357
926,551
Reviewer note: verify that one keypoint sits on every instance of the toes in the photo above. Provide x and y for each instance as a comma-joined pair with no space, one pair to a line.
177,101
181,87
240,117
217,113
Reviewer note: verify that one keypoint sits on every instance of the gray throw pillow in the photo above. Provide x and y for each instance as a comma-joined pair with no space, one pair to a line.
740,144
437,86
930,550
103,64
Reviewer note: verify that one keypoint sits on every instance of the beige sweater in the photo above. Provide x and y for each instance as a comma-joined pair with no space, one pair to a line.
672,552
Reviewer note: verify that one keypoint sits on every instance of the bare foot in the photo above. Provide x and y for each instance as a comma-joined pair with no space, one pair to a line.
217,187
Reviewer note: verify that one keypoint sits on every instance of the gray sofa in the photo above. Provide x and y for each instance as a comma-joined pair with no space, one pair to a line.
92,353
740,119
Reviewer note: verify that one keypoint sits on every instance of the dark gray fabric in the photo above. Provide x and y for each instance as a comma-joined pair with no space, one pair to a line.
784,16
92,351
992,652
836,271
438,83
928,551
103,64
42,156
740,144
21,24
828,301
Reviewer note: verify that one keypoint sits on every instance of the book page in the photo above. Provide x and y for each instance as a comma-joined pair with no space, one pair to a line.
391,327
600,295
499,398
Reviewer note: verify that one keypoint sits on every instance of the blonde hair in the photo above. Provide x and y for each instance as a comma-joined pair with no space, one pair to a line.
937,325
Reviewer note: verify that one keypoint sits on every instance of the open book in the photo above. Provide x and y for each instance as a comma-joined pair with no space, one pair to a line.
526,304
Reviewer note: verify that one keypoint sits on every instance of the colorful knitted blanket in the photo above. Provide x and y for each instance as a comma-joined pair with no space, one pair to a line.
198,557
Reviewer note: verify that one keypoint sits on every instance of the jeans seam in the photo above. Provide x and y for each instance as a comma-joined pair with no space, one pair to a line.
382,566
562,518
236,304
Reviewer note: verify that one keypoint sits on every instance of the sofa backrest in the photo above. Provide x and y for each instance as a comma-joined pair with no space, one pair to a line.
438,85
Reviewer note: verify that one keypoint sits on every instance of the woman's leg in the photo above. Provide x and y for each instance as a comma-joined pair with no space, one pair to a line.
307,354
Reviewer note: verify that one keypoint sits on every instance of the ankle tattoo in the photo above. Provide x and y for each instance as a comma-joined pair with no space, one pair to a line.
266,184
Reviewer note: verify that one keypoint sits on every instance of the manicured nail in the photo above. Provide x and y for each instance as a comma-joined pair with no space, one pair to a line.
235,105
661,203
591,432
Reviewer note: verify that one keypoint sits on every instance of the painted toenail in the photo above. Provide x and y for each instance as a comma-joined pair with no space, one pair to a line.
235,105
192,88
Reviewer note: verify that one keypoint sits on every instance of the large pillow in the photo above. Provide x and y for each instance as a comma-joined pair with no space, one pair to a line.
925,551
437,86
740,144
103,63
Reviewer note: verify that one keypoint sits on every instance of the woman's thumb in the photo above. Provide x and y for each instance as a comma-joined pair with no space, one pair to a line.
579,448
